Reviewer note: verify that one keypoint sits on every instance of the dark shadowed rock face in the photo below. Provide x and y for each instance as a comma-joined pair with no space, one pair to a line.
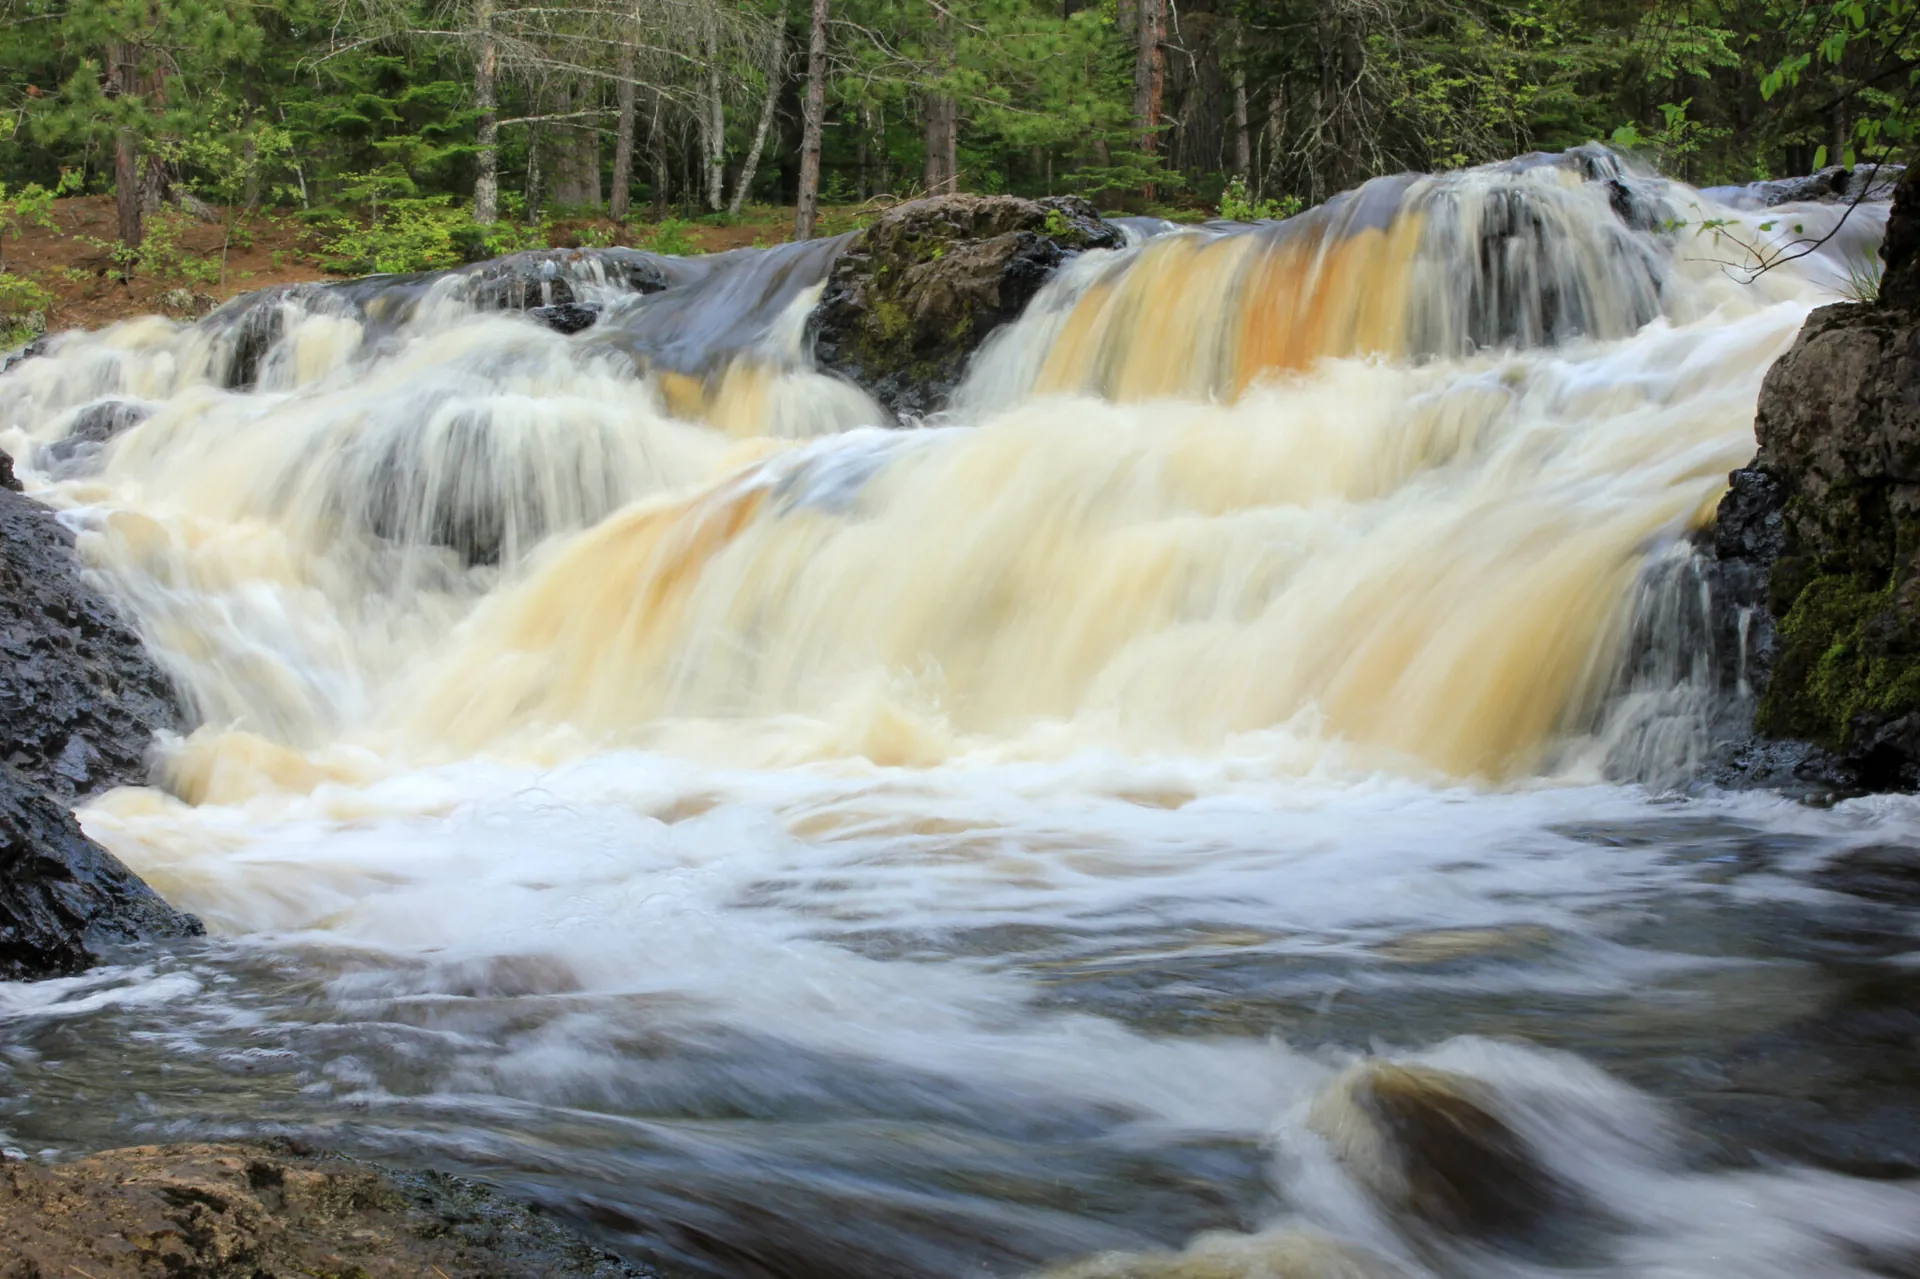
64,900
264,1212
79,703
915,294
1828,519
79,697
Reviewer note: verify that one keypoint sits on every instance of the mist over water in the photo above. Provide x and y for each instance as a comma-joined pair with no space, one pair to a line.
627,767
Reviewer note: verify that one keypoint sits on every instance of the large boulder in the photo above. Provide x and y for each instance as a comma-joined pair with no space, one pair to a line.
66,902
79,696
1827,517
267,1212
914,295
79,703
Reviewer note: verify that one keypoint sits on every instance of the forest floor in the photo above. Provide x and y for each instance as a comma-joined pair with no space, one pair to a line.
198,264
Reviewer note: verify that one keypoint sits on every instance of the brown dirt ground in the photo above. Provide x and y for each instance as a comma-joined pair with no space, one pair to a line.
264,1212
72,259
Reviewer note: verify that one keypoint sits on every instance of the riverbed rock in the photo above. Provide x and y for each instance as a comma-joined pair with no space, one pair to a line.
914,295
80,701
237,1211
1828,516
1431,1147
66,902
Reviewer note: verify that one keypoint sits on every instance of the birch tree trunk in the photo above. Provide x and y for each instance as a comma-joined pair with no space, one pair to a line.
486,181
713,123
776,78
808,211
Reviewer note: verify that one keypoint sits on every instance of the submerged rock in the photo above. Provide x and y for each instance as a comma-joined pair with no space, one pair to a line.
78,453
1429,1146
1288,1254
1823,529
263,1212
914,295
1830,185
567,317
64,900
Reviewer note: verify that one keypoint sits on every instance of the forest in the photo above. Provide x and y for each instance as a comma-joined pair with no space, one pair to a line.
412,132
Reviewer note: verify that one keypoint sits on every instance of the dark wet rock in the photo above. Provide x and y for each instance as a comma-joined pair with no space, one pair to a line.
1428,1144
65,902
547,277
264,1212
79,703
1830,185
568,318
545,280
80,698
8,481
79,452
1819,539
36,347
914,295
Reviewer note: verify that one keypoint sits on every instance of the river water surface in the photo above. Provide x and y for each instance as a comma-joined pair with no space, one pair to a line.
795,848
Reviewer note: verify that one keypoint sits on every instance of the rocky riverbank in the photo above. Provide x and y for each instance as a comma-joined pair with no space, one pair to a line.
1817,543
234,1211
80,701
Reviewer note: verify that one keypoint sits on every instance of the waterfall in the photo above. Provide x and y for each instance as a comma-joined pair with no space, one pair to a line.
1368,489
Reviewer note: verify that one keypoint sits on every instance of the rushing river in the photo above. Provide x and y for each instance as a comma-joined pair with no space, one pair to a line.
801,848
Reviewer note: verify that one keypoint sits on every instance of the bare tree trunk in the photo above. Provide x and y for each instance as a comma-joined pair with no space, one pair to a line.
586,149
776,80
1149,75
126,150
662,177
486,180
943,127
713,121
623,139
1242,135
807,212
536,137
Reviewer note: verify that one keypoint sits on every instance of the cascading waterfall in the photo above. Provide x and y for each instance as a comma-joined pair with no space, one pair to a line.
597,723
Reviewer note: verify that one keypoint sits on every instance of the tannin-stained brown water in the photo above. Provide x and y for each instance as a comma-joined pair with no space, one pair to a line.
629,768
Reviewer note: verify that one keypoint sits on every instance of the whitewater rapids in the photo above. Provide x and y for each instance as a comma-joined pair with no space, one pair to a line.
631,767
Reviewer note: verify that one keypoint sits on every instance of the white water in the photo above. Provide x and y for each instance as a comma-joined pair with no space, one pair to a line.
825,848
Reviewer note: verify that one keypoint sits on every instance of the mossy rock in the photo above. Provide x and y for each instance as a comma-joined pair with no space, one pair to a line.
914,294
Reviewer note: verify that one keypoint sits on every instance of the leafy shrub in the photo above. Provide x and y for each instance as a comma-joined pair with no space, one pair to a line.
23,309
672,237
1237,206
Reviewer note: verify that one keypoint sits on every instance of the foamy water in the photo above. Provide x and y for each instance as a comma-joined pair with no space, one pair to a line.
801,847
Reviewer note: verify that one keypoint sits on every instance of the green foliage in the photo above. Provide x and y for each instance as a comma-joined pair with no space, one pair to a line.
408,233
1237,206
671,237
23,309
30,205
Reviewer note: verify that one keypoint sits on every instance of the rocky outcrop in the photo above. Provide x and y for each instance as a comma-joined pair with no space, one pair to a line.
1830,185
79,703
265,1212
914,295
79,697
1822,531
65,901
